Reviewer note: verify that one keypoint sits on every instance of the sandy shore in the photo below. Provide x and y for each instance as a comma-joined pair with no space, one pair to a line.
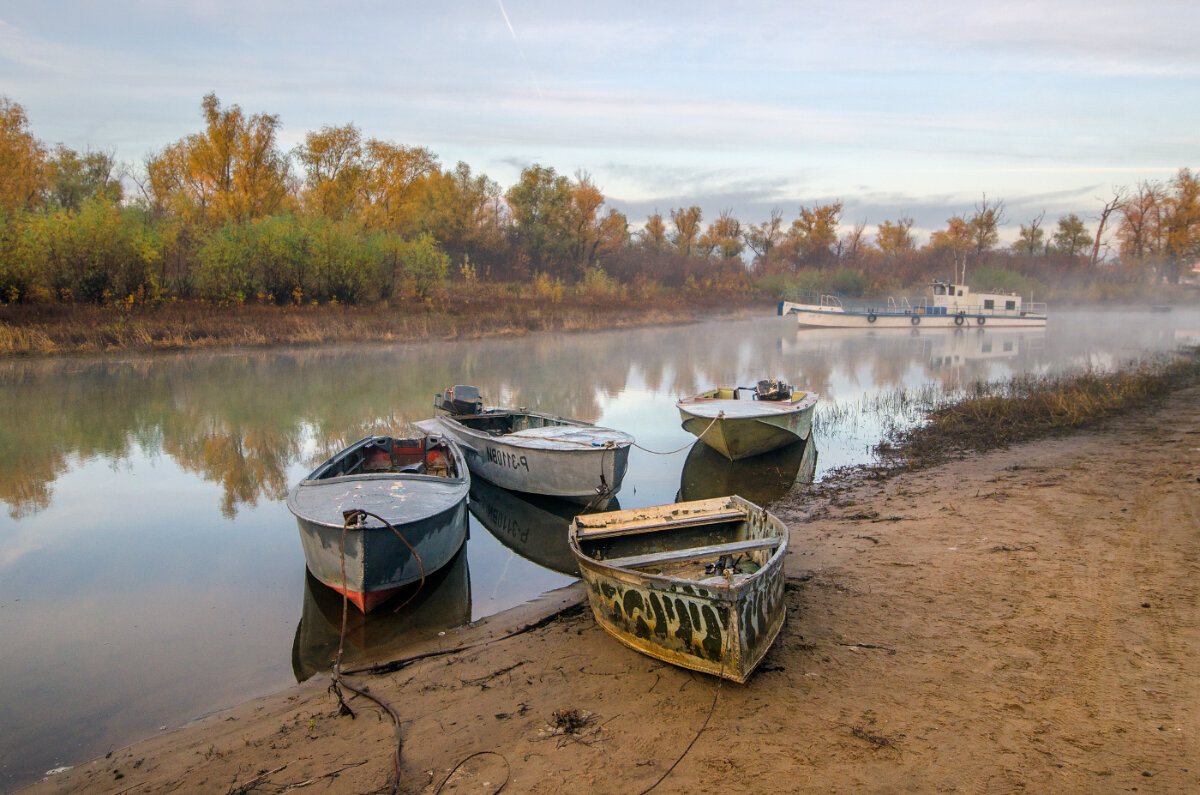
1023,620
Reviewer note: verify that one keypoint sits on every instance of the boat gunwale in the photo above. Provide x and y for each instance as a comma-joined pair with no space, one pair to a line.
725,591
728,590
361,476
395,522
779,408
458,486
538,444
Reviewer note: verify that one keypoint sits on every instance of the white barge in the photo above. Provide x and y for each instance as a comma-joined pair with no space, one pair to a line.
950,305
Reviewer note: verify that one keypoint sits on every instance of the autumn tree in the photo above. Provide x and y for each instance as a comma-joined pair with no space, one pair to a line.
1140,230
334,172
1031,240
954,242
22,159
764,238
895,239
1071,238
811,238
850,247
687,229
612,234
540,204
984,226
653,236
232,171
75,178
391,185
723,238
1182,225
464,213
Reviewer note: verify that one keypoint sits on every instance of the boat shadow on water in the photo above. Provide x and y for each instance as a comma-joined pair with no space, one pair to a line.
533,526
391,630
761,479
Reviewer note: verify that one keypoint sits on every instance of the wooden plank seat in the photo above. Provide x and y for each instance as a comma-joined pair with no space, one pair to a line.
585,533
693,553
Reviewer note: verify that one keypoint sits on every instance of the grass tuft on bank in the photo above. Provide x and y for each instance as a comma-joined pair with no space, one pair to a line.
995,415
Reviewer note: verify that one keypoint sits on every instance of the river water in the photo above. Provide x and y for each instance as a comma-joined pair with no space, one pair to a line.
150,571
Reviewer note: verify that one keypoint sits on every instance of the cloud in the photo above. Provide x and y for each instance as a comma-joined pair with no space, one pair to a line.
755,105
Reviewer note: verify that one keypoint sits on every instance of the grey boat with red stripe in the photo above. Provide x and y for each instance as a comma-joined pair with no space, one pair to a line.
418,486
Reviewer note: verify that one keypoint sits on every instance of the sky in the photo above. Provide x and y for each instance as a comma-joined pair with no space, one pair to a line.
920,109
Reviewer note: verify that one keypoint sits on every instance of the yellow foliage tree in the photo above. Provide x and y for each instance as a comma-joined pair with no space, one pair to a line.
334,171
232,171
391,186
22,159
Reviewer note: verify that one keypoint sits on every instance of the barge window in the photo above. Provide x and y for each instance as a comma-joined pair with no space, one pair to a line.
1010,305
988,303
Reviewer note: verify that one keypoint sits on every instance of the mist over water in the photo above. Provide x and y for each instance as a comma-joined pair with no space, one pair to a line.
150,571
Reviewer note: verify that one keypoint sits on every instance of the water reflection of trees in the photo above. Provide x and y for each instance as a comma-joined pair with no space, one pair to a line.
243,419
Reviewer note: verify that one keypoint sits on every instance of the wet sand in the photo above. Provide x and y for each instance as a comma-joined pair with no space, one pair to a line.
1022,620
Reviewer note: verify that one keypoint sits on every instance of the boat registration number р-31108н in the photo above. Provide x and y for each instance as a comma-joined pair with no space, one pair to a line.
504,458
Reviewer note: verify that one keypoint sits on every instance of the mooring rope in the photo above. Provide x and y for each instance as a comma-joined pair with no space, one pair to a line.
720,416
712,708
603,491
358,514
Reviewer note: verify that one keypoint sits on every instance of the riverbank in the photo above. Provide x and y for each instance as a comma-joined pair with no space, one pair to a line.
55,329
1012,620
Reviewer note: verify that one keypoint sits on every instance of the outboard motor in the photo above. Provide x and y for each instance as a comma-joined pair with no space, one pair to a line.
772,389
459,400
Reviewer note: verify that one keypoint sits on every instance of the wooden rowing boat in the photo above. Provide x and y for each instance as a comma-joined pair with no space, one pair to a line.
418,486
739,422
697,584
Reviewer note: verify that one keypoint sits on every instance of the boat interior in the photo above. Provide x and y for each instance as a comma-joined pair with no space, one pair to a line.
771,389
499,423
424,455
717,547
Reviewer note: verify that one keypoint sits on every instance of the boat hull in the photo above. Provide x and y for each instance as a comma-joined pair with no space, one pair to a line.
739,429
700,625
569,471
369,561
378,564
833,317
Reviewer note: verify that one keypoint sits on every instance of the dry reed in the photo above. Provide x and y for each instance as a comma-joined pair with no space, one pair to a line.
999,414
37,330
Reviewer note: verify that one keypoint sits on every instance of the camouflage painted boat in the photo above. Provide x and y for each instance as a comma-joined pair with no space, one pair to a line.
531,452
697,584
419,486
739,422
